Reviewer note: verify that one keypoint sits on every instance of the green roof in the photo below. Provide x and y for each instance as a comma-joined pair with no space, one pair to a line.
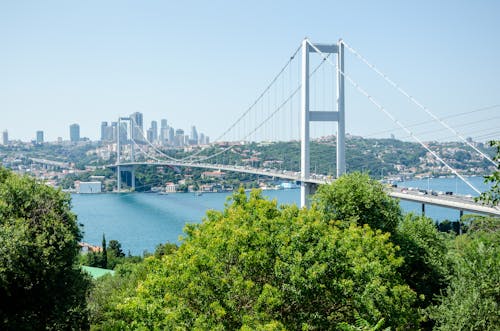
97,272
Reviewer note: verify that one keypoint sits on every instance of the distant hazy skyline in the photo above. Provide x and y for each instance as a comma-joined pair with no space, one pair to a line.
203,62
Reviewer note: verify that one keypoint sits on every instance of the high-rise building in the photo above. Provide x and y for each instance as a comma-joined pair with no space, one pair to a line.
154,129
179,137
113,130
193,139
5,137
171,136
106,132
150,135
74,133
39,137
201,140
137,126
163,132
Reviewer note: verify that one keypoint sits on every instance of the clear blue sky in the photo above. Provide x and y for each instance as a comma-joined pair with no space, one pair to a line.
204,62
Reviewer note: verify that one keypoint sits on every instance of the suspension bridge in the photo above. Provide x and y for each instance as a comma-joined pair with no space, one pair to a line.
287,110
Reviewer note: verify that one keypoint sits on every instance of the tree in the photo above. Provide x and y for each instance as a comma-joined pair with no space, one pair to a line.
426,265
259,266
471,301
41,286
115,248
357,198
493,195
104,260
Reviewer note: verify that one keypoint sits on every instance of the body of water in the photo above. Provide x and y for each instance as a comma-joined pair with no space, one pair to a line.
140,221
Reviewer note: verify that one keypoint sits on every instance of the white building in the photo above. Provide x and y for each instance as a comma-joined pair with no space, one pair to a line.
88,187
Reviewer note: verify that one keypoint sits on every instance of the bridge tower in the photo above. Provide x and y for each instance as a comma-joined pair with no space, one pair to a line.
308,116
119,167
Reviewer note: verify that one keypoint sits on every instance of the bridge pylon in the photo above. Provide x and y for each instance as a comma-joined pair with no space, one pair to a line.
307,116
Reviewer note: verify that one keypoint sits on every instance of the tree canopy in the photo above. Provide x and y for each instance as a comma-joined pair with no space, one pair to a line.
259,266
41,287
357,198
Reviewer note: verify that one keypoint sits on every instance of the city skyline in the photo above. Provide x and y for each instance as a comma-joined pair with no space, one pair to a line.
210,61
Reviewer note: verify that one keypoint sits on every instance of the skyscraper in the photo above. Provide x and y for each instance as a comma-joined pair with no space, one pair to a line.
163,132
179,137
193,139
137,127
74,133
171,136
39,137
154,129
105,131
5,137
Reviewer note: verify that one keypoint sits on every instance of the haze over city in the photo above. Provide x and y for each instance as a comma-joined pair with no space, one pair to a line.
203,63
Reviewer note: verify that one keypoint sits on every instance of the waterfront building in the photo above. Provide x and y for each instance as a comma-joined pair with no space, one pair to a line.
74,133
39,137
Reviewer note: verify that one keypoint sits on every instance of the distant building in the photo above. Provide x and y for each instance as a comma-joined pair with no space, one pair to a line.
201,139
150,135
137,127
107,131
171,187
154,129
193,139
39,137
5,137
88,187
74,133
213,174
179,137
171,136
164,132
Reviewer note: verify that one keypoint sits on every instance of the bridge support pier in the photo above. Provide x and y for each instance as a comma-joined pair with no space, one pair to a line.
132,178
306,190
118,179
423,209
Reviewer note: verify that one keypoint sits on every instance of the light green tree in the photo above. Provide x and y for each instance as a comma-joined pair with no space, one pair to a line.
259,266
355,198
493,195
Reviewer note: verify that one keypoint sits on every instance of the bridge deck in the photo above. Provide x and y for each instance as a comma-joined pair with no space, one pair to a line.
454,201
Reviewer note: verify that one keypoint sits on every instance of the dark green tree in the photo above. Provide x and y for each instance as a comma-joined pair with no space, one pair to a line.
104,258
471,301
41,285
115,248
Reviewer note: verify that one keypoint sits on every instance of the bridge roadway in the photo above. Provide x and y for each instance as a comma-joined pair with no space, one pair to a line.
458,202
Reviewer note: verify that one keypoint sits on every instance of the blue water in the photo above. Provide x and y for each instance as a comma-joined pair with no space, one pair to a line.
140,221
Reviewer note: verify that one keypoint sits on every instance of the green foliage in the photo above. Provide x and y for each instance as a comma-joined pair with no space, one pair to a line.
471,302
257,266
104,260
357,198
41,287
493,195
424,249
